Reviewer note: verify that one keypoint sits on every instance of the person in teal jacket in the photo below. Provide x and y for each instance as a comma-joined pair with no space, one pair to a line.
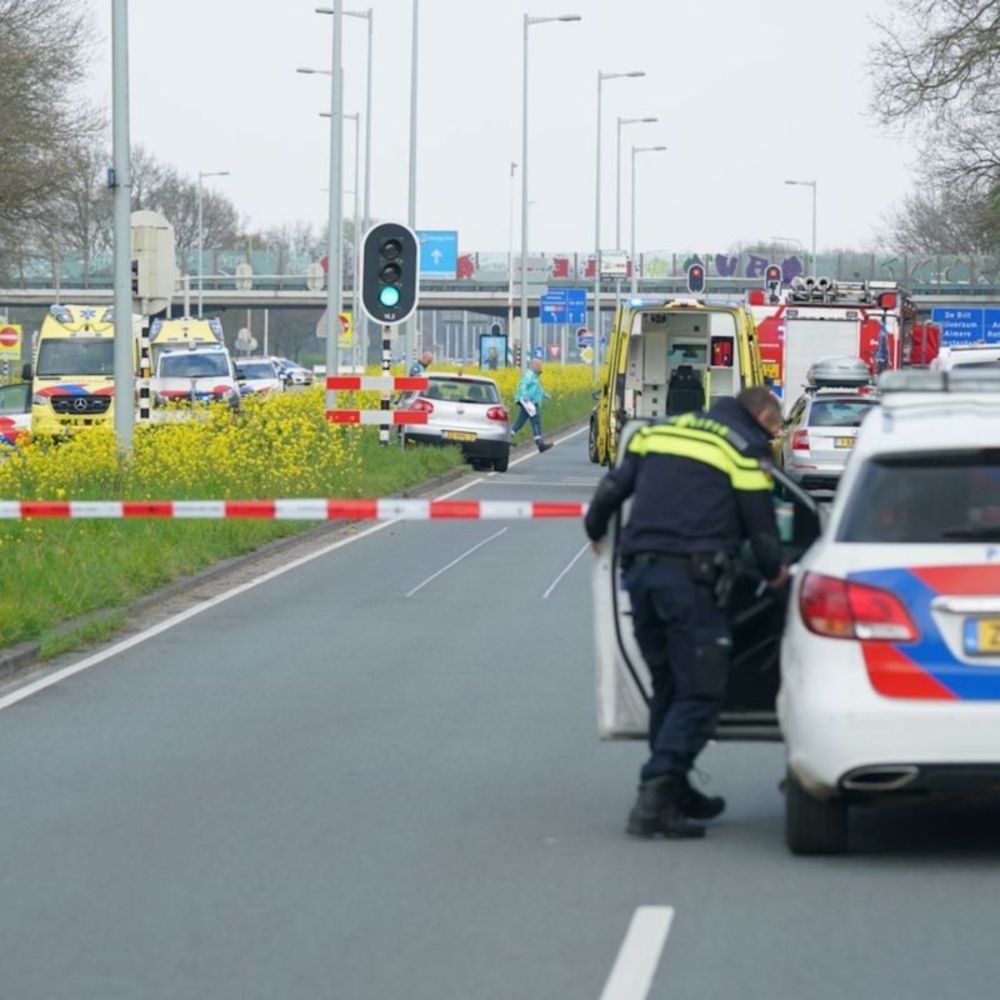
529,396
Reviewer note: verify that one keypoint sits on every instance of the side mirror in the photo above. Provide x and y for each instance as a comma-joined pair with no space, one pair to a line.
800,521
26,371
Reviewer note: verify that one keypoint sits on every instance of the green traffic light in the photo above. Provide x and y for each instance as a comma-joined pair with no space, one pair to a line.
389,296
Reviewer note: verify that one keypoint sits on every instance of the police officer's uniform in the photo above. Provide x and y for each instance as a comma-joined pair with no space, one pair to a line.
698,489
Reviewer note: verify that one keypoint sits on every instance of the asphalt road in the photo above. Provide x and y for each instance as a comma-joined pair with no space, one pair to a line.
361,779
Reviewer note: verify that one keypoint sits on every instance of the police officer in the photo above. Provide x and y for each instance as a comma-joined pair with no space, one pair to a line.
698,489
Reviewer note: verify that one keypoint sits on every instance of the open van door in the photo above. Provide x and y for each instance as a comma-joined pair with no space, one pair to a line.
757,617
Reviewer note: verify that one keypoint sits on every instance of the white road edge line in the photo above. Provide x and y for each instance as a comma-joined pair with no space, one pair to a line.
456,561
140,637
535,454
126,644
632,974
558,579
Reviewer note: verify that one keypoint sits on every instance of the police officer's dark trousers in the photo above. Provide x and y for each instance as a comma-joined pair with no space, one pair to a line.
686,643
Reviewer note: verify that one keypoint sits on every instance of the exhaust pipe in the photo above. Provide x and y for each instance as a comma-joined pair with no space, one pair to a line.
887,778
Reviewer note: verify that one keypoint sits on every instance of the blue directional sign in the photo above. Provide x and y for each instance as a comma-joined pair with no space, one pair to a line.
967,326
564,305
438,253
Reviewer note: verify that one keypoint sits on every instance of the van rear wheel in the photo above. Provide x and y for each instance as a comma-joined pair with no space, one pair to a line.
813,826
592,452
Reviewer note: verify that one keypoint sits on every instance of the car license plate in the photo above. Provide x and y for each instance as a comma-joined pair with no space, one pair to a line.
843,442
458,436
982,636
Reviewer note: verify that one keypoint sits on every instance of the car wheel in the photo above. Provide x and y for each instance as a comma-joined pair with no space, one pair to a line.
813,826
500,464
592,452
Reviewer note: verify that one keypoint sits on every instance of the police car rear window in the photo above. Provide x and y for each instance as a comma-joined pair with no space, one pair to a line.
949,497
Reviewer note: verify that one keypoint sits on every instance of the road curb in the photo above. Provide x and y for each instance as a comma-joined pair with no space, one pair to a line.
20,658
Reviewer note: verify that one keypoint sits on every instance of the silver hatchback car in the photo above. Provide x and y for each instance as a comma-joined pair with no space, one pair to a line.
462,410
819,435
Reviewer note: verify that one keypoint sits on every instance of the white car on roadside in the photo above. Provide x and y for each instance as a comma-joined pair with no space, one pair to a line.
890,661
194,373
258,376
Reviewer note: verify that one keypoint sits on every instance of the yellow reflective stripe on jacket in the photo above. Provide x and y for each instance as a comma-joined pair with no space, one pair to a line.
744,473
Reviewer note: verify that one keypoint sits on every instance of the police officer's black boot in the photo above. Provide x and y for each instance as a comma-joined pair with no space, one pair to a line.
542,445
658,810
695,804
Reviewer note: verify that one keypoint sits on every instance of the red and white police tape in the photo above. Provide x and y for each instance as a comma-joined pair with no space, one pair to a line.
376,383
386,509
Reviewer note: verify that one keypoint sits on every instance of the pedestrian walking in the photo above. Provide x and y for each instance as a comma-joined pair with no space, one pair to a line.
529,396
698,489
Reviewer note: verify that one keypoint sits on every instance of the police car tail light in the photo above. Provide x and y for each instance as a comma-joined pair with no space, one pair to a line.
498,413
800,441
842,609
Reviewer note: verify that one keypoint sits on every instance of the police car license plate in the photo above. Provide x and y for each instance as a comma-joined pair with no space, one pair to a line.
982,636
843,442
458,435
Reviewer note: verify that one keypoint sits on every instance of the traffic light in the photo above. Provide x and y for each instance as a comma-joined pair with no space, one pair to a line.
696,279
390,273
772,281
135,277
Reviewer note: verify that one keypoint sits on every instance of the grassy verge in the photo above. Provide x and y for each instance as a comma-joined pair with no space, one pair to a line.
52,572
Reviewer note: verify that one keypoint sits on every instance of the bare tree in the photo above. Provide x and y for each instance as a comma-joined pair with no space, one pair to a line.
84,209
42,47
942,221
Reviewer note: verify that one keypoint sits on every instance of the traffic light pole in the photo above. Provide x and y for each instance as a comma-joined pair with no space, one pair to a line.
386,401
121,182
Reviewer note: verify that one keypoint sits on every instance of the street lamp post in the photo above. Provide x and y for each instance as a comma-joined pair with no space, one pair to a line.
510,256
601,77
335,235
810,184
202,174
635,151
618,198
528,22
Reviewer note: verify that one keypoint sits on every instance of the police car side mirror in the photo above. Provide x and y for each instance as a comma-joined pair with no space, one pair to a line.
26,371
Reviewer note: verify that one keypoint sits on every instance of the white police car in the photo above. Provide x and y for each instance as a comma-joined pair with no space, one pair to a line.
890,660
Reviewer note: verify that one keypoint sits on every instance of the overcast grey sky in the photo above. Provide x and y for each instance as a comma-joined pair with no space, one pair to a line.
745,99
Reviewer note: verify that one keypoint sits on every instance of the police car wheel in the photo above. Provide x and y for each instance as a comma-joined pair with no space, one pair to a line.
813,826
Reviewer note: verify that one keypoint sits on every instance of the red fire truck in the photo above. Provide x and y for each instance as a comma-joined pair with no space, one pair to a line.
871,320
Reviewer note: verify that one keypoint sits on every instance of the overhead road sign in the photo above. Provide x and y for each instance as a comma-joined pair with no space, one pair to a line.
967,326
563,305
438,253
614,264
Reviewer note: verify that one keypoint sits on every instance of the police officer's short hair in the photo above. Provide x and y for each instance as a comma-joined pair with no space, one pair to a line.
760,401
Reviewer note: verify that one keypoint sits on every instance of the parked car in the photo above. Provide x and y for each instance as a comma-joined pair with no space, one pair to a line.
819,436
965,355
292,373
890,661
462,410
15,413
199,373
257,376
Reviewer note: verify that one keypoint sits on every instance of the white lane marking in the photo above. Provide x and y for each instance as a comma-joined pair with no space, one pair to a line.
632,974
455,562
558,579
140,637
126,644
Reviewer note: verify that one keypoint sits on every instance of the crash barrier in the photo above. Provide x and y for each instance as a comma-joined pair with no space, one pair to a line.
383,417
384,509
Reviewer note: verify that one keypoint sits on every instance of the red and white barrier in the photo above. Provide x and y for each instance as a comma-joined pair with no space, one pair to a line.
388,509
383,418
376,383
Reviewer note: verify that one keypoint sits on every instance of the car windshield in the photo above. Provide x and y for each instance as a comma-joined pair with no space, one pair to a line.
839,412
259,369
76,356
944,497
462,391
194,365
